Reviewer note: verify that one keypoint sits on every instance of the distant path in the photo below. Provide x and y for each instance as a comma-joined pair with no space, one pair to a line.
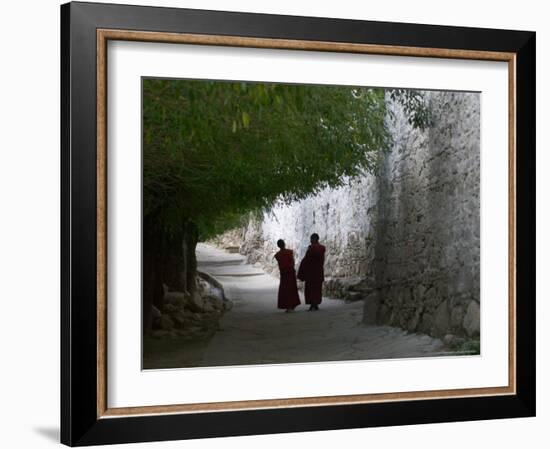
255,331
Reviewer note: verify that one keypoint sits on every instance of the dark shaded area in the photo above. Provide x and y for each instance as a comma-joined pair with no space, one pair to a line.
173,353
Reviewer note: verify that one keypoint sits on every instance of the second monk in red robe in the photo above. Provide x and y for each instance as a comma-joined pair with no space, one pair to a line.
287,297
312,272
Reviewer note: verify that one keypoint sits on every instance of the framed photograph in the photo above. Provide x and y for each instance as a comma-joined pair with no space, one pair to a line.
284,224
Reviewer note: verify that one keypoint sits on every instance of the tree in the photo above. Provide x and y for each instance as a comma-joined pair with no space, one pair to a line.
215,150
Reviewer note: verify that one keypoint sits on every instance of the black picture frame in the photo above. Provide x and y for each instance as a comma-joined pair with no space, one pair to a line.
80,423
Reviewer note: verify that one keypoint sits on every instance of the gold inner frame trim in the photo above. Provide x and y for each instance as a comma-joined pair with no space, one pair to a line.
104,35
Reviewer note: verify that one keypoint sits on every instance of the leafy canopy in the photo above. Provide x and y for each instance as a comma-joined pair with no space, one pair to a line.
214,150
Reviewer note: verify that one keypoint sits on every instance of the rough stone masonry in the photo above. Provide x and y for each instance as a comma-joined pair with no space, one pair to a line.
406,240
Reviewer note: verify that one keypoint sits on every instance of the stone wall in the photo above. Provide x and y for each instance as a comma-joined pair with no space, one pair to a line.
426,256
405,240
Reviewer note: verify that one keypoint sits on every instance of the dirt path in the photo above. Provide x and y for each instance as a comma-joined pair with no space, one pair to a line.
256,332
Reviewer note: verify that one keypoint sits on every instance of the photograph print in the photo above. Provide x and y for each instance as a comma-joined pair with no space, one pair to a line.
294,223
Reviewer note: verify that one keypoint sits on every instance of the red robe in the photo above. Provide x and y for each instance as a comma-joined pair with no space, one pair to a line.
287,297
312,272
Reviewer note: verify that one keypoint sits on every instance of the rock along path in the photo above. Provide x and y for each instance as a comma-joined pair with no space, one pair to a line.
256,332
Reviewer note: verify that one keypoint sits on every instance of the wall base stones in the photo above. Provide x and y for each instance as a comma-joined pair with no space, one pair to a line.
191,316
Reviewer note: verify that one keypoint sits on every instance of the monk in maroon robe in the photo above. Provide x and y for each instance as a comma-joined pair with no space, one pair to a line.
287,297
312,272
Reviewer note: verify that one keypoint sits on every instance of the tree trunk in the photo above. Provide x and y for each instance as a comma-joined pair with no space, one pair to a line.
190,239
148,276
170,260
152,273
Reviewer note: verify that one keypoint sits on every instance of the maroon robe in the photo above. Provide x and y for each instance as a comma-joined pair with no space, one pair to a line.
287,297
312,272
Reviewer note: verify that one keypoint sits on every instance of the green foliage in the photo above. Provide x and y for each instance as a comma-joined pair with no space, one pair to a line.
214,150
470,346
414,105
